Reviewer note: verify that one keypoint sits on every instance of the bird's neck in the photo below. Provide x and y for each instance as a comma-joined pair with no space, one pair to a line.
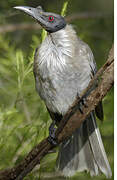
59,47
64,40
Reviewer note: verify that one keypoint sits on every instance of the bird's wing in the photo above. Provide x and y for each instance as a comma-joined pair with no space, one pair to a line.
99,111
99,107
86,55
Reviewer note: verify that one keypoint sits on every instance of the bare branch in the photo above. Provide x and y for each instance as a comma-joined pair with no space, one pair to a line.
87,15
70,122
15,27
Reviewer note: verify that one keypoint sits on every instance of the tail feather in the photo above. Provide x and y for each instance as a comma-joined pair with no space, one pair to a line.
84,151
98,148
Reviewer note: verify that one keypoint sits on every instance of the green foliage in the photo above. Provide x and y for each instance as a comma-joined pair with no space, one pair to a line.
24,120
64,9
23,117
44,34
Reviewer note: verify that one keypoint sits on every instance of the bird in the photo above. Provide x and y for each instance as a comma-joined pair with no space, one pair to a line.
63,67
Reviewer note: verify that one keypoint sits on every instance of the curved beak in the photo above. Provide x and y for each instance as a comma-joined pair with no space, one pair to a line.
26,9
34,12
37,13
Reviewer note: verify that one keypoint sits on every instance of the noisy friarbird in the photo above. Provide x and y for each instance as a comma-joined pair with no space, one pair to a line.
63,68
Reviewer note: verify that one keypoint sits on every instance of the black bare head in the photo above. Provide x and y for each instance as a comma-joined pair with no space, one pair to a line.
51,22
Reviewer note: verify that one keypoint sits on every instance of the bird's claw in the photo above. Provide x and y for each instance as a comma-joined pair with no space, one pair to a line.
81,104
52,141
83,100
52,138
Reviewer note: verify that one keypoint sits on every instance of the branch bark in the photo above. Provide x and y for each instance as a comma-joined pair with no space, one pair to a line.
34,26
70,122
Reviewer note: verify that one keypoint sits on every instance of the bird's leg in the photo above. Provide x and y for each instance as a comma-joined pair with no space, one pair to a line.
52,139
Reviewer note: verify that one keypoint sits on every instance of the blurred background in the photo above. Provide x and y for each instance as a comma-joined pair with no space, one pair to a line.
24,120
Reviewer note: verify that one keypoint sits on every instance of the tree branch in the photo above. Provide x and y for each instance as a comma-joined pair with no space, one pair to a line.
70,122
34,26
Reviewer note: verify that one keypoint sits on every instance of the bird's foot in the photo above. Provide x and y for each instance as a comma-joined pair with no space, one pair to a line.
52,138
81,104
84,102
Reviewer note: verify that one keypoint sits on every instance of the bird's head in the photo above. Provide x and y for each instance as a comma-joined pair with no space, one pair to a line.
51,22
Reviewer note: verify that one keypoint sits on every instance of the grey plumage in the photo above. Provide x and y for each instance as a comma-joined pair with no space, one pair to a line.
63,68
84,151
63,75
59,62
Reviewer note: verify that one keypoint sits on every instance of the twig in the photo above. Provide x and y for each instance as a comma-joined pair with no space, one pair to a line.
22,26
87,15
73,120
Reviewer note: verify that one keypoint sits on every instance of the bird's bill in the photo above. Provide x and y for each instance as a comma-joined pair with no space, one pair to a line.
30,11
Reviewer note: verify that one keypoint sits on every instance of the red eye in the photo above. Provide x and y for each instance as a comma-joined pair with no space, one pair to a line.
51,18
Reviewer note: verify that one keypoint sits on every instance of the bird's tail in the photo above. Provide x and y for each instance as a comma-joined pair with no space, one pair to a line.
84,150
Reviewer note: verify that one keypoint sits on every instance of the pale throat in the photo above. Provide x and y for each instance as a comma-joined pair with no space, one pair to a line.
63,40
58,48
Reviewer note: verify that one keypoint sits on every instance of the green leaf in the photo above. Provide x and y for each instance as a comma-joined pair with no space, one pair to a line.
64,9
43,35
